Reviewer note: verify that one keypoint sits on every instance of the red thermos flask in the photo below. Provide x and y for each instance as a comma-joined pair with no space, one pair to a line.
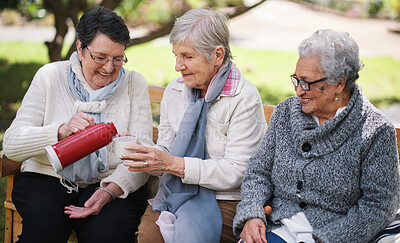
79,145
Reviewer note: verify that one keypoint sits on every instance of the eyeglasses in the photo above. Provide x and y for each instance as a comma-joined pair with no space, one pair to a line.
304,84
103,60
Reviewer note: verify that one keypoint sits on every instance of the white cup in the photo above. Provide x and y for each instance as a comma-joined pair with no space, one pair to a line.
119,144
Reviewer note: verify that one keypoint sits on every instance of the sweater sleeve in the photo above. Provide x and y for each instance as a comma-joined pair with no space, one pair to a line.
380,199
257,187
27,136
128,181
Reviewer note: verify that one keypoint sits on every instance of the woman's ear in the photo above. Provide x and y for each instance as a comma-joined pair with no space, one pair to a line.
340,86
219,53
79,49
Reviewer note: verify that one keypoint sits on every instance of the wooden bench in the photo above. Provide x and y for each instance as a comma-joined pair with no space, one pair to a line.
11,169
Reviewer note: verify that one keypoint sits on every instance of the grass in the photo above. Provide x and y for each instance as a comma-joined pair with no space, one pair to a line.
268,70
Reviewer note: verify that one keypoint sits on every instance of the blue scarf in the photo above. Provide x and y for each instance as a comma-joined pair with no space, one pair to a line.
92,103
198,216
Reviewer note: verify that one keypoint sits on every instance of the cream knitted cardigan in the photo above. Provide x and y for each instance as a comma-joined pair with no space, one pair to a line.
49,103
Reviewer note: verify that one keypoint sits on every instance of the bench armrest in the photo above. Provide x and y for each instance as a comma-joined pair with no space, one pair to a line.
8,166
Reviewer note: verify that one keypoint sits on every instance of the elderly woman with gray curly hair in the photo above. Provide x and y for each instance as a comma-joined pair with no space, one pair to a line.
328,164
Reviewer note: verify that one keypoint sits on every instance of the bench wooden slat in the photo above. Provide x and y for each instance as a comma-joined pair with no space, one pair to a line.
156,93
268,111
9,205
8,166
398,137
8,227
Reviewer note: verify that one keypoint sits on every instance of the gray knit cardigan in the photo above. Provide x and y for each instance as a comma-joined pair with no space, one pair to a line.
343,174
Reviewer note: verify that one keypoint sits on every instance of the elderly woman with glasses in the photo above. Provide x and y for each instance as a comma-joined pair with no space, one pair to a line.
65,98
328,165
211,122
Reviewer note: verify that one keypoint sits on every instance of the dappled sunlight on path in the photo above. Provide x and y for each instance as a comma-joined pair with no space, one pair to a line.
281,25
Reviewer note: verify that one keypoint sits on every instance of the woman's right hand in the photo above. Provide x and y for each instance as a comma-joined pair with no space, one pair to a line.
80,121
152,160
254,231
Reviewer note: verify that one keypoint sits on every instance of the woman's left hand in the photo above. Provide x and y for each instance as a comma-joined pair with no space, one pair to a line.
254,231
94,204
152,160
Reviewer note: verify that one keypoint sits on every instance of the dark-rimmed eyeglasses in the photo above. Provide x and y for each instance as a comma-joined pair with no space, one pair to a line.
304,84
103,60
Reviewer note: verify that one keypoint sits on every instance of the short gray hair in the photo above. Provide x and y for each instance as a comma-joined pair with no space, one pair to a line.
338,53
205,29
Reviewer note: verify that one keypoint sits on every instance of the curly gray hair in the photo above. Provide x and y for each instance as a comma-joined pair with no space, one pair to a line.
205,29
338,53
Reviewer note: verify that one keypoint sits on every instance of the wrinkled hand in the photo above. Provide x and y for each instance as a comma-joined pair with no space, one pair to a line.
254,231
152,160
91,207
78,122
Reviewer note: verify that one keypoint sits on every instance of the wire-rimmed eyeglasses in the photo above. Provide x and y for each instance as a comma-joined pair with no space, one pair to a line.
304,84
103,60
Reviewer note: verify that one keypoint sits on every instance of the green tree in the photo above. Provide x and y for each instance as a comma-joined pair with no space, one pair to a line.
157,16
395,4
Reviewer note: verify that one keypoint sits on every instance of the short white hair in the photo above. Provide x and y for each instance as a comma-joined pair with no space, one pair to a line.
205,29
338,53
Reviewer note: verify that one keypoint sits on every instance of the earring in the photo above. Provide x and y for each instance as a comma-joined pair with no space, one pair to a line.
336,98
336,94
216,66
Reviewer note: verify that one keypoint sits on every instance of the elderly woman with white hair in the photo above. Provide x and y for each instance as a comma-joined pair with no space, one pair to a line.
211,123
328,164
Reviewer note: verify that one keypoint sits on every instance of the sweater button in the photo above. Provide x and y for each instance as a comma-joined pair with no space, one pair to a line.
302,205
306,147
299,185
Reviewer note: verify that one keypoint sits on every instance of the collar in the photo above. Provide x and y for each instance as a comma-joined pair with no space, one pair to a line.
337,113
329,136
231,84
77,69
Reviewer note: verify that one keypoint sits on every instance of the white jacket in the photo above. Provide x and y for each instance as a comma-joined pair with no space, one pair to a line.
235,128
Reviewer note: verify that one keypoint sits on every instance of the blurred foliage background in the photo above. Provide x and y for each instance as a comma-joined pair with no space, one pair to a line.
145,12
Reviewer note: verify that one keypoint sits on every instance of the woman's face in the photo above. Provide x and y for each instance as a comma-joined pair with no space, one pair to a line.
98,75
320,99
196,70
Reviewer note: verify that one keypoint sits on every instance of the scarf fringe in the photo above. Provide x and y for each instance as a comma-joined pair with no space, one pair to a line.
71,188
